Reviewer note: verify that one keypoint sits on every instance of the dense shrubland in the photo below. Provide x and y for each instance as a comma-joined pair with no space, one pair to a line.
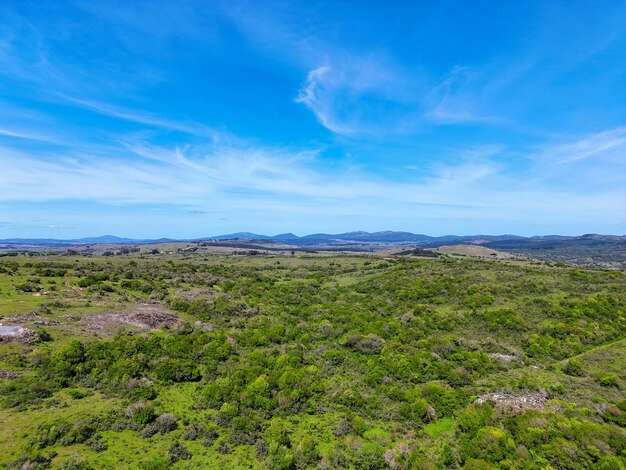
330,362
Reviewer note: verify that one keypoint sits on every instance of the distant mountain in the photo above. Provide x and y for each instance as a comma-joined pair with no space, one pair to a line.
35,241
117,240
231,236
52,242
285,236
390,237
552,243
319,236
343,239
104,239
549,237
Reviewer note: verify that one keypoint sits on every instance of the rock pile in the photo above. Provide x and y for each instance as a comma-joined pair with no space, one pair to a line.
514,404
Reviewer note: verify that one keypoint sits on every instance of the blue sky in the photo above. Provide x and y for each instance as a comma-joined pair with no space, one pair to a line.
189,119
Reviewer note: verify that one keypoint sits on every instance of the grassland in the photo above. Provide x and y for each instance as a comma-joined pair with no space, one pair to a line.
165,359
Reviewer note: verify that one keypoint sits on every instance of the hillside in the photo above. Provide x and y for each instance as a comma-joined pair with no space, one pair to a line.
290,361
592,250
476,251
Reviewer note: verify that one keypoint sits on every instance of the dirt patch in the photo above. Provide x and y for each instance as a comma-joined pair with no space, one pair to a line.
9,374
32,318
515,404
146,316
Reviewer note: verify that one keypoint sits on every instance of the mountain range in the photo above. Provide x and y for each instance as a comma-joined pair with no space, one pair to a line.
357,237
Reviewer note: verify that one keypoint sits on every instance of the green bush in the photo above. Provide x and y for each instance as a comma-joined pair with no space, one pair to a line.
574,368
176,370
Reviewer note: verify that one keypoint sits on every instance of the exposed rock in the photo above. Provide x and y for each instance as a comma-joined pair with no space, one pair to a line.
407,317
17,333
504,357
432,414
400,451
9,374
147,316
515,404
32,318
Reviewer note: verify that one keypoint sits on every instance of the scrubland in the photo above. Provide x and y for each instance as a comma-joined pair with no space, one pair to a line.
156,361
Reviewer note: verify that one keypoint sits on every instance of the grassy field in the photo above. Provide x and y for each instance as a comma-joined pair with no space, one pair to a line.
216,360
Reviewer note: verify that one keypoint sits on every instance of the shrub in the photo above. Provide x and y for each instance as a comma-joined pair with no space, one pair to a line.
371,344
305,452
279,457
80,431
176,370
194,431
97,443
610,380
573,367
370,456
29,286
503,319
140,412
415,412
43,335
177,452
149,431
441,397
77,394
166,422
491,444
24,391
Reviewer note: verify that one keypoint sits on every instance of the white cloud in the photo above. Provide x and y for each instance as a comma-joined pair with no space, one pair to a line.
455,99
26,135
588,163
607,145
278,181
310,95
353,94
147,119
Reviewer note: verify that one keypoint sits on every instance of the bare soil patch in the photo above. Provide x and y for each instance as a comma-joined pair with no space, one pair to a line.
33,319
9,374
145,316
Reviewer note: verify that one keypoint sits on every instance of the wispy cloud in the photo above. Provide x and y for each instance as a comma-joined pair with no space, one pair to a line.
357,95
147,119
26,135
455,100
349,91
607,145
309,95
592,162
279,179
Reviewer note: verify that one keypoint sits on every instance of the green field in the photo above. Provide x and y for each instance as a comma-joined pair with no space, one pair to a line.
304,361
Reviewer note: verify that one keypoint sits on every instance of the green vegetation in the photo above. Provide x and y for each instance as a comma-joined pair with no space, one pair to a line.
311,361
